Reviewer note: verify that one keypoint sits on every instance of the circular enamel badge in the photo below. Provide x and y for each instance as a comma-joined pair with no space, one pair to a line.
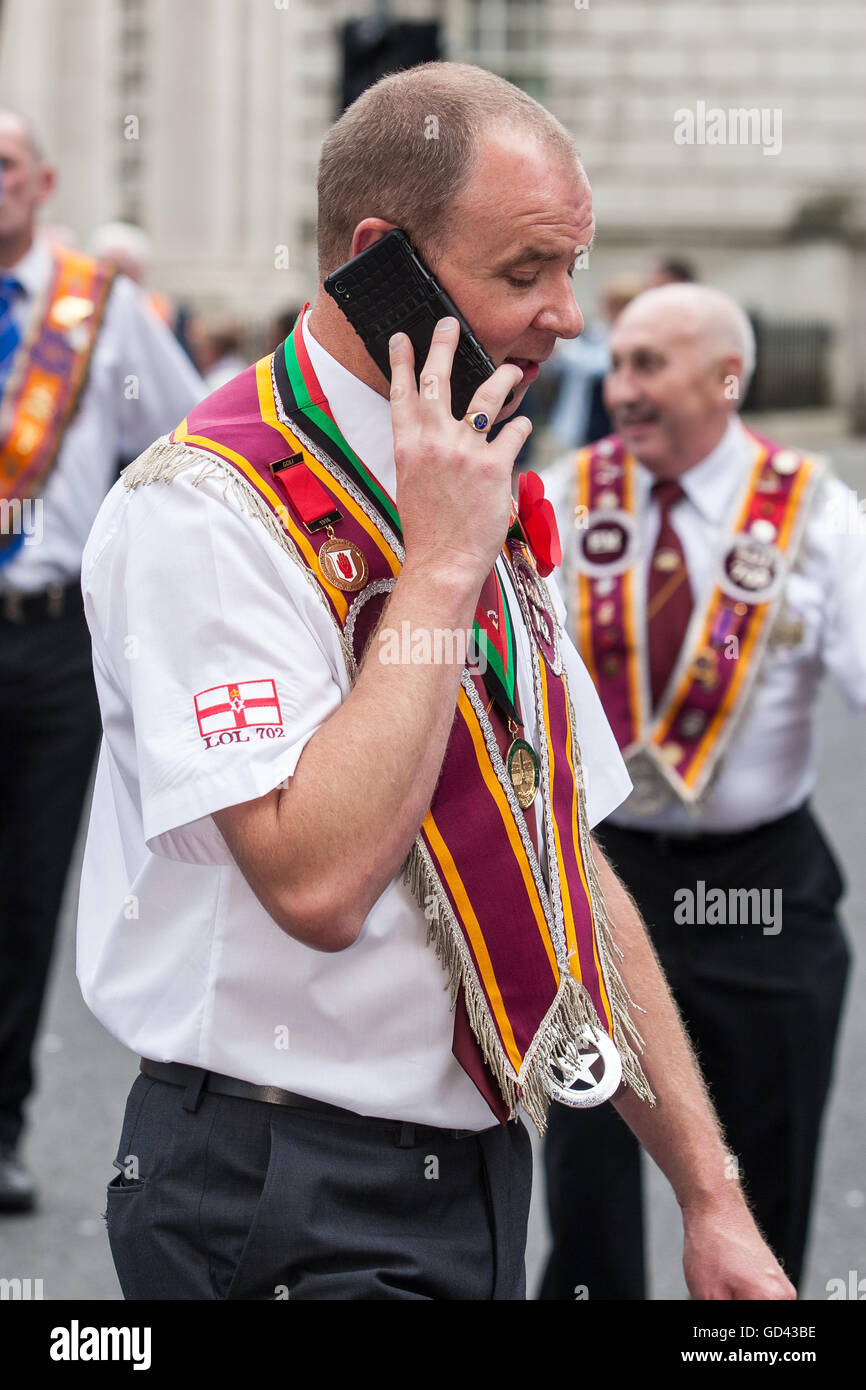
785,461
751,570
540,615
605,544
343,564
582,1086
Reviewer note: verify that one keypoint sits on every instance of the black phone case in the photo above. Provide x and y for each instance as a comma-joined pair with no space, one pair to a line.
388,289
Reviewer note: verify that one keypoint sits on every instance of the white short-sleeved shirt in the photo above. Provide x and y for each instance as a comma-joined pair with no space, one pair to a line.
186,594
140,383
769,767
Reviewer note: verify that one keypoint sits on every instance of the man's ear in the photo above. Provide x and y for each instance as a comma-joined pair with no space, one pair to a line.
730,378
47,182
371,230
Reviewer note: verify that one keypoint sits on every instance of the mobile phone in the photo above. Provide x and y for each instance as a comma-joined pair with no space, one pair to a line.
388,289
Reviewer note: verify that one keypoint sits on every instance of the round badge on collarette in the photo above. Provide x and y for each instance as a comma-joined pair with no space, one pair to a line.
343,564
541,617
605,546
751,570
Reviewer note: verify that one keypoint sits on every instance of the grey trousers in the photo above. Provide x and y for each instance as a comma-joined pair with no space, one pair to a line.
224,1198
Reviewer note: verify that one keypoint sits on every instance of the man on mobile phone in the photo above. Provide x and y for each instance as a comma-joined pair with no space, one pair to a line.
310,794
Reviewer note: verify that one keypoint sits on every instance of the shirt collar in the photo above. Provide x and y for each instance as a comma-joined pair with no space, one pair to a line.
33,269
363,416
712,484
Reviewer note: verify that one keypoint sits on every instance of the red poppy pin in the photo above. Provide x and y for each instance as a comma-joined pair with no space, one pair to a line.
538,523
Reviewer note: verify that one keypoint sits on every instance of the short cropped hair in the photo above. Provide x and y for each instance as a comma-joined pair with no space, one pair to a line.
406,149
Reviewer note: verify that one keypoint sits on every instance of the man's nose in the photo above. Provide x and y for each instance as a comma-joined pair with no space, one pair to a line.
562,316
619,388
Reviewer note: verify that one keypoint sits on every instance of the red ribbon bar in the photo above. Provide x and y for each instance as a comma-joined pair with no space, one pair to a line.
310,500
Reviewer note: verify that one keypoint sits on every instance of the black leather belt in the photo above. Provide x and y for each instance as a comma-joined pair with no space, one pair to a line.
57,601
196,1078
668,842
179,1074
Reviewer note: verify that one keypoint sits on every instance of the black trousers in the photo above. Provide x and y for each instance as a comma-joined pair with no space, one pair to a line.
225,1198
762,1011
49,730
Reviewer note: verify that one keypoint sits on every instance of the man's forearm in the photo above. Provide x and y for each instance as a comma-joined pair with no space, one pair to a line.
371,767
383,749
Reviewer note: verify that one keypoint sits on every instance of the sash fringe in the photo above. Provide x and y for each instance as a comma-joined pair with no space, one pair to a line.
570,1012
163,461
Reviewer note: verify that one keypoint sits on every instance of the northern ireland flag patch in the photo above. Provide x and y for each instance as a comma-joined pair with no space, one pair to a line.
244,705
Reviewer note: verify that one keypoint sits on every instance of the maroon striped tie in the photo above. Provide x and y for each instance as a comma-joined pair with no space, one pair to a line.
669,594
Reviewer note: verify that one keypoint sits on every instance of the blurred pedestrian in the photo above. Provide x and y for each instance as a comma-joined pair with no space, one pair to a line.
712,577
86,372
129,250
217,347
671,272
578,415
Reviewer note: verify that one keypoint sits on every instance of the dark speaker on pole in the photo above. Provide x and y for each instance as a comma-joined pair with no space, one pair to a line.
374,47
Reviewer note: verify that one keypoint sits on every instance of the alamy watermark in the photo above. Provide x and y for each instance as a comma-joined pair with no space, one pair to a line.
734,907
853,1288
21,1290
21,517
438,646
738,125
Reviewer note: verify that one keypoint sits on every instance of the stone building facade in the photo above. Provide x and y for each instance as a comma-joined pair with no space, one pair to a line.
732,132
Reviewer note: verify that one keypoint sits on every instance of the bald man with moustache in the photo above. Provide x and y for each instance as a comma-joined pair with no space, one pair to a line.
711,578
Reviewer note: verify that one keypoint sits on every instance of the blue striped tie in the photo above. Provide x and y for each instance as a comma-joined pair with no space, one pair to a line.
10,333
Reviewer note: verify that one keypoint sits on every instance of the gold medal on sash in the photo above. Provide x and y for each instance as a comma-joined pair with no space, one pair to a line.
522,765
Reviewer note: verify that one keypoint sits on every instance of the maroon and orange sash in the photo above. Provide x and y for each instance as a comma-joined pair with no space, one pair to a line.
677,751
534,963
48,374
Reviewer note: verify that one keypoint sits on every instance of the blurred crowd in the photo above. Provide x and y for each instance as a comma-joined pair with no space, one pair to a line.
217,345
81,326
566,400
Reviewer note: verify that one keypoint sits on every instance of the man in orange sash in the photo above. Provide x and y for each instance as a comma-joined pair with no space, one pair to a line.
87,376
711,577
281,798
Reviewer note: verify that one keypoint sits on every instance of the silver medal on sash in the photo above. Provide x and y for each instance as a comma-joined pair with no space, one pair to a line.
651,792
581,1088
752,568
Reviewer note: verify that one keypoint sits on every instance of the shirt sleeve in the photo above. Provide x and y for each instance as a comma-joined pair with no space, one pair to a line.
216,659
606,779
159,385
836,546
558,479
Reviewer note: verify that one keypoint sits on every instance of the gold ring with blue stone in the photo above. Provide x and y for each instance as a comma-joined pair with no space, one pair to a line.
479,420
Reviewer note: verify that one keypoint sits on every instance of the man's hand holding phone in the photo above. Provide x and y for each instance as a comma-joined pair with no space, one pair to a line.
453,486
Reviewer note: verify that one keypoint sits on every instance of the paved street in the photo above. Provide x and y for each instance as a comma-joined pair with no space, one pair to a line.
85,1075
